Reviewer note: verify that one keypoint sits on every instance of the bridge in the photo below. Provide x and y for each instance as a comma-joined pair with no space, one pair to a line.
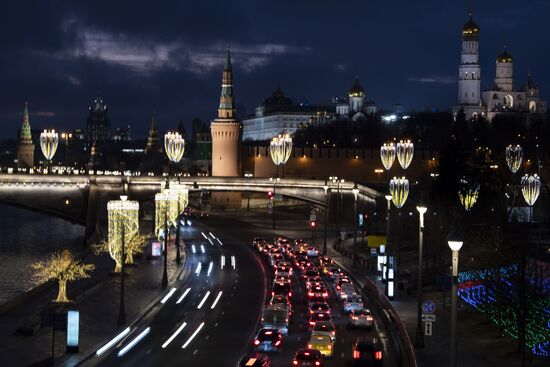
83,198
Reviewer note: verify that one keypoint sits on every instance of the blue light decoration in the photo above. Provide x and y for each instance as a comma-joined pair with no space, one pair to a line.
479,290
73,324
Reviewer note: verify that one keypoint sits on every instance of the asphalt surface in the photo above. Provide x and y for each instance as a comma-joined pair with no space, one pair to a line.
229,328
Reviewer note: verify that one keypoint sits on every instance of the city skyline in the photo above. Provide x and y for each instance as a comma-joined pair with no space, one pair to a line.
157,60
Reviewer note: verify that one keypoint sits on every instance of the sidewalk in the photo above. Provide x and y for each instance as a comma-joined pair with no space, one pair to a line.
97,299
479,342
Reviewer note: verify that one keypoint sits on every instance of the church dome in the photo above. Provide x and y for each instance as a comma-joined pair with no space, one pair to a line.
505,57
470,30
278,102
356,89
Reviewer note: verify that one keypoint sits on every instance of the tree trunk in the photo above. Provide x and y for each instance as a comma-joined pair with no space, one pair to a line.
129,256
62,292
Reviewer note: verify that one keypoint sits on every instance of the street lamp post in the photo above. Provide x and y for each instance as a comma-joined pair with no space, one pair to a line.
325,187
387,249
174,145
455,245
122,308
166,239
419,340
280,149
355,194
48,143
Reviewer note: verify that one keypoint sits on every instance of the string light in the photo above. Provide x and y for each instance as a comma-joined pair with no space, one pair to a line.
405,153
387,155
280,149
49,140
399,190
514,157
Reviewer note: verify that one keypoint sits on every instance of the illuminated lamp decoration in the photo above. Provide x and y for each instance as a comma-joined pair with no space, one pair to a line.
166,209
280,149
49,140
405,153
399,190
468,193
123,225
387,155
183,194
514,157
174,145
530,188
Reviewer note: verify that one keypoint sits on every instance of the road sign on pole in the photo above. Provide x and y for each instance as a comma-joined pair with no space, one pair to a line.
428,317
428,328
428,307
312,217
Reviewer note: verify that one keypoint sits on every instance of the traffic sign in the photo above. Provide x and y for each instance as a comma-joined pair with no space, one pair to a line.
428,317
312,217
278,197
428,307
428,328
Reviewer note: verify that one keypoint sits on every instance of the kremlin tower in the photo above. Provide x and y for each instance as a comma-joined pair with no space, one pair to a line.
226,130
25,148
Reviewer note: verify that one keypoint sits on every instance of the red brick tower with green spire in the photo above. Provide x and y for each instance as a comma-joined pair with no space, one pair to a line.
25,148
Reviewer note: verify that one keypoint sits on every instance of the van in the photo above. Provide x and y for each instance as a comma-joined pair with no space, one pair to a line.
276,316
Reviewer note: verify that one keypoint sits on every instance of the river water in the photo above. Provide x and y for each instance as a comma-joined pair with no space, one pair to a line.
27,237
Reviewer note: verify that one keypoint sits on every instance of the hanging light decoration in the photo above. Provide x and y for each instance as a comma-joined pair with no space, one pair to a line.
280,149
530,188
514,157
166,208
399,190
182,191
387,155
174,145
405,153
468,193
48,143
123,216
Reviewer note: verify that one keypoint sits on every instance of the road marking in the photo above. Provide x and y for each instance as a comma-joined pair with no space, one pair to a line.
168,295
193,248
210,268
134,341
205,237
210,233
222,262
342,354
174,335
220,242
183,296
209,240
216,300
202,249
192,336
113,341
199,267
233,262
223,312
203,300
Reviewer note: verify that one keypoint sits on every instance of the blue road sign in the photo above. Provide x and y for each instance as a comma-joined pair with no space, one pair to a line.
428,307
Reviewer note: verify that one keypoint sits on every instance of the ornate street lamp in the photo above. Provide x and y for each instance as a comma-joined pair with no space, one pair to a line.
49,140
387,155
355,191
405,153
468,193
123,221
174,145
166,212
455,244
530,188
399,190
280,149
419,340
182,193
514,157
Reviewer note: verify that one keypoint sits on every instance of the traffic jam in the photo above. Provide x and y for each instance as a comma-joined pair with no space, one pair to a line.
314,315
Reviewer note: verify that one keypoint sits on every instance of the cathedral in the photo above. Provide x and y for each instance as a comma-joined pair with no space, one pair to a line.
503,96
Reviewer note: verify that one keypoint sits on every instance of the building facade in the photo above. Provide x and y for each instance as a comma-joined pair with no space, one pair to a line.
98,124
25,147
502,97
226,130
355,107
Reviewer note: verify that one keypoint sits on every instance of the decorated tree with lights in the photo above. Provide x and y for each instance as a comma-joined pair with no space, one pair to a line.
132,245
64,268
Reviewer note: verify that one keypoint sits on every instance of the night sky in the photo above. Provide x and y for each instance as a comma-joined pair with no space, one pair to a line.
167,56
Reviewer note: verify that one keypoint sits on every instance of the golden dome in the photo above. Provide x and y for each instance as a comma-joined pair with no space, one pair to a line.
505,57
470,29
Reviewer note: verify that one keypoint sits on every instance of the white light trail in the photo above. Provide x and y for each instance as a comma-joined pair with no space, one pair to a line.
216,300
220,242
168,295
113,341
202,249
233,262
205,236
222,262
174,335
136,340
211,235
193,248
199,267
203,300
212,243
210,268
183,296
192,336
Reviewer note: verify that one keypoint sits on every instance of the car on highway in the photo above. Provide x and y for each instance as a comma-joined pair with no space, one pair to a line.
333,272
361,318
279,299
283,288
310,272
353,302
255,359
323,343
316,317
340,280
317,292
319,307
275,258
308,357
312,251
256,241
282,278
276,317
315,280
325,328
268,340
284,267
367,351
346,290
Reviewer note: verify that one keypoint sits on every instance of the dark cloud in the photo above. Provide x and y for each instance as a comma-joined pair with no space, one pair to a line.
167,55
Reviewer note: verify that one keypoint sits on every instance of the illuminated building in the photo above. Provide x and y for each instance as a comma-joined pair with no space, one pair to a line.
355,106
25,148
98,125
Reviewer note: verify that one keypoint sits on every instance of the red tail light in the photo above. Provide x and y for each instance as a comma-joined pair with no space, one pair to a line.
277,343
295,362
309,346
312,323
356,354
378,355
325,294
290,294
256,342
310,294
317,363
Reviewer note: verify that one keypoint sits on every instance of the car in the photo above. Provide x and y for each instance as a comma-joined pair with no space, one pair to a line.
316,317
347,290
323,343
361,318
311,272
313,280
325,328
308,357
312,251
283,266
276,317
367,351
257,240
319,307
318,292
333,272
282,278
268,340
353,302
255,359
275,258
283,288
340,280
